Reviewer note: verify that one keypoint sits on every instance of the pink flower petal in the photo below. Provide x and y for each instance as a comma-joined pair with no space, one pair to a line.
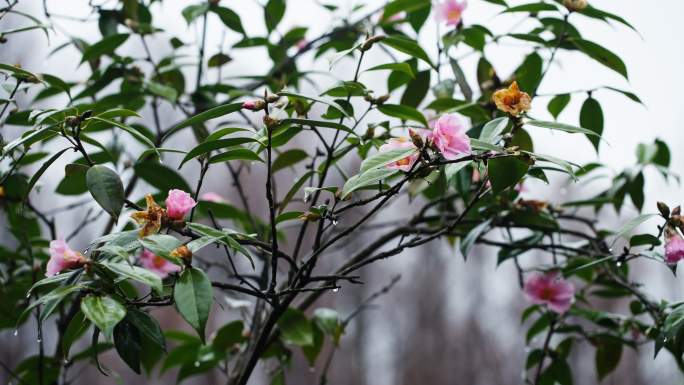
178,204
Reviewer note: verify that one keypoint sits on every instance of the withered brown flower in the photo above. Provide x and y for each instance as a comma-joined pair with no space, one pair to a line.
150,219
511,100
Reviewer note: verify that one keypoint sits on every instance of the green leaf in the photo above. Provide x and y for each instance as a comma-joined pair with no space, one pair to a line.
384,158
591,118
403,113
147,325
288,158
106,188
493,130
191,12
76,328
532,8
416,89
211,145
407,46
643,240
160,244
126,128
558,104
128,344
473,235
328,320
160,177
631,225
237,154
105,46
193,296
367,178
212,113
505,172
529,73
137,274
562,127
601,55
608,354
325,101
273,13
295,328
105,312
451,169
229,335
36,176
229,18
397,67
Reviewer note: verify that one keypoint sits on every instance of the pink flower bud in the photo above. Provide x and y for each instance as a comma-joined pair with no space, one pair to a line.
157,264
550,289
674,249
451,11
178,203
404,164
450,138
62,257
249,105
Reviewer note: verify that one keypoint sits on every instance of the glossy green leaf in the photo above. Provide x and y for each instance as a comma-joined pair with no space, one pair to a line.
193,297
505,172
103,311
105,46
106,188
591,118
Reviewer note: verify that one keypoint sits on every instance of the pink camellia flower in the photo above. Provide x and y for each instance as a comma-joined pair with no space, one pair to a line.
674,249
213,197
157,264
550,289
449,137
451,11
404,164
62,257
178,203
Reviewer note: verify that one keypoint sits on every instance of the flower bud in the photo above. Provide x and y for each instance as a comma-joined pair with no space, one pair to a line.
309,216
132,24
182,252
382,99
72,121
254,105
370,132
272,98
416,138
677,210
270,122
214,2
370,41
3,39
664,209
575,5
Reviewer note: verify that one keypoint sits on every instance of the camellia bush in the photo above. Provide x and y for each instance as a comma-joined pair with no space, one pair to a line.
459,151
